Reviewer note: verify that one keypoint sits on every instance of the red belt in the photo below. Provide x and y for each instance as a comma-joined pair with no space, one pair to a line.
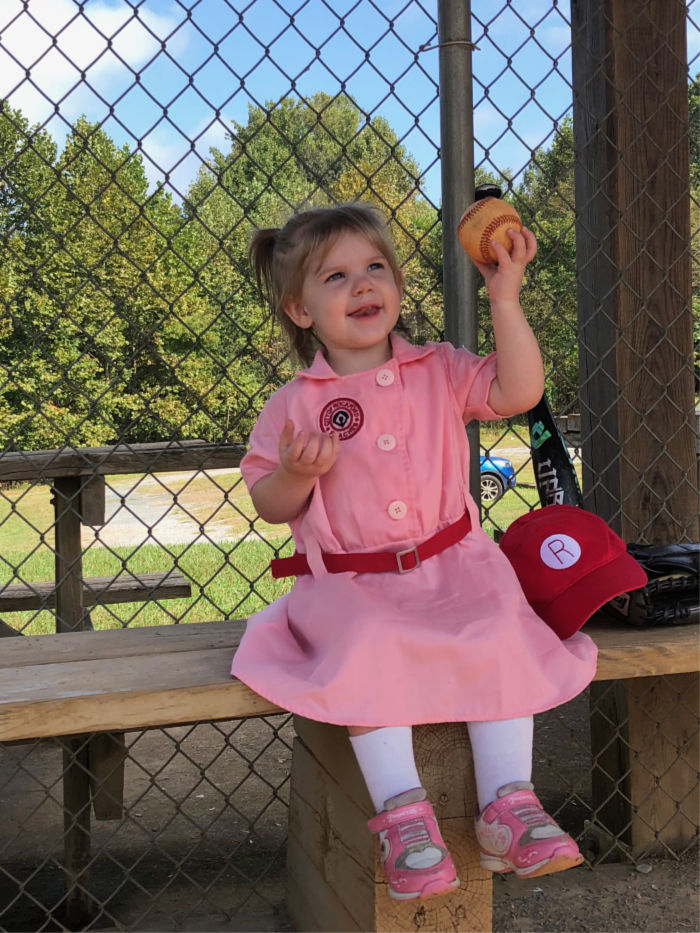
381,561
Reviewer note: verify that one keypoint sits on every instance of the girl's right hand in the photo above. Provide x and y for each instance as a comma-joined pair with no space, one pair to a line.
305,454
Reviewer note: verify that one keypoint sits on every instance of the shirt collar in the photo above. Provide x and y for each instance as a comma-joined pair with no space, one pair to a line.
401,352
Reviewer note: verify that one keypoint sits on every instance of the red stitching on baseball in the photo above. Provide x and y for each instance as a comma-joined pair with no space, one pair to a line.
474,209
489,230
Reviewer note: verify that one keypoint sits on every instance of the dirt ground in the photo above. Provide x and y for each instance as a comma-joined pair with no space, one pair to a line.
657,895
201,845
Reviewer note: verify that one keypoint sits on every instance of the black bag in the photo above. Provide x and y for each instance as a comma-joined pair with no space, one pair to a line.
672,595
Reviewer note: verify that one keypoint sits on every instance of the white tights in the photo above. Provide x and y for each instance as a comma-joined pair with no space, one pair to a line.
502,751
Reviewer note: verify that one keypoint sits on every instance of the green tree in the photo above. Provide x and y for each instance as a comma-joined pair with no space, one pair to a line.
546,200
86,356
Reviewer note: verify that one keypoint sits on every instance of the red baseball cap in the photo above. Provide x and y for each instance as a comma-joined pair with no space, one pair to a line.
569,563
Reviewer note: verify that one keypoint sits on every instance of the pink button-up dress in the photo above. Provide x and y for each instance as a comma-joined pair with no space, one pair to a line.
454,639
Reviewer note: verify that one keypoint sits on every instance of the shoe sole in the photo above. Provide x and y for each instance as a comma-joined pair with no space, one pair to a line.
554,864
438,888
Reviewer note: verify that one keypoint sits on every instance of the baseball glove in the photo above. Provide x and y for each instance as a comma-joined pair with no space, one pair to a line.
672,595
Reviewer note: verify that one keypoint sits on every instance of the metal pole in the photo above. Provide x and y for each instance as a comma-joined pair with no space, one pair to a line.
460,277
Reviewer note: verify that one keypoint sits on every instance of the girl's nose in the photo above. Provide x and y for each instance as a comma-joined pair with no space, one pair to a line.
361,284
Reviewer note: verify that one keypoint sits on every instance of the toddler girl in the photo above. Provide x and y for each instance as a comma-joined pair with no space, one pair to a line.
403,610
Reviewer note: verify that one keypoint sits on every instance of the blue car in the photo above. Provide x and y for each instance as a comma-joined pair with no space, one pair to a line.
497,475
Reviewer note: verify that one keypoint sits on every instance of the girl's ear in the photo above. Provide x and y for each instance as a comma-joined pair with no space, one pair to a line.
296,311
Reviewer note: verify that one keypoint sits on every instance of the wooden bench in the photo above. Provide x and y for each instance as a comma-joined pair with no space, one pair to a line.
77,478
97,591
111,681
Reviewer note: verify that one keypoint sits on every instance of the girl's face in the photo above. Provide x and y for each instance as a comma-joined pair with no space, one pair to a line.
350,298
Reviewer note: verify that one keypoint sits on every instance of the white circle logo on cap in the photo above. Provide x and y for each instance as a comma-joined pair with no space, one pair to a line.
560,551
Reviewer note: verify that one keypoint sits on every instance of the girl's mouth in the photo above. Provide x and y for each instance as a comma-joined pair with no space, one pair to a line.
368,311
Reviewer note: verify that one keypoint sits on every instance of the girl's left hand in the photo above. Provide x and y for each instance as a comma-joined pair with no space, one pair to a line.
503,280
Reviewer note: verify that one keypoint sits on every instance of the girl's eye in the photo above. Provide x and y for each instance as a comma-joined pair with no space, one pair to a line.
334,276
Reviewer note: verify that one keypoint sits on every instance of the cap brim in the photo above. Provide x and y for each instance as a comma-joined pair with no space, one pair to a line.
572,608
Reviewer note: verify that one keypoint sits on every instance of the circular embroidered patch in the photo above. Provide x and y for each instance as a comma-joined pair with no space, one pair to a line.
560,551
342,415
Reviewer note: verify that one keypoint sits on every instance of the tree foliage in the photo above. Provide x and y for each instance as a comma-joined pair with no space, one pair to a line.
126,316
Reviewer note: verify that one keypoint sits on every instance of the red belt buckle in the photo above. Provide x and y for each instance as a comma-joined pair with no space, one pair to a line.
400,556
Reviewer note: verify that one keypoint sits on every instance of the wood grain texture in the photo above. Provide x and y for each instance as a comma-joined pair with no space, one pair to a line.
336,881
644,741
169,674
120,680
634,267
662,732
626,652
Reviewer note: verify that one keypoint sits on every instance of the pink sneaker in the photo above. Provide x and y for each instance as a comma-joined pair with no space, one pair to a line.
515,834
416,862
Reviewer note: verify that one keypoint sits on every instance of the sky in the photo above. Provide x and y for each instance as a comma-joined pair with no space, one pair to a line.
169,77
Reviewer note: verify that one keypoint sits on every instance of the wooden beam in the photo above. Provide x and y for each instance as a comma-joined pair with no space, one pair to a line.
632,176
155,457
640,470
99,591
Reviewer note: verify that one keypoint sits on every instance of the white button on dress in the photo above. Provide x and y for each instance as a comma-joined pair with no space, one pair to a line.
384,377
397,509
386,442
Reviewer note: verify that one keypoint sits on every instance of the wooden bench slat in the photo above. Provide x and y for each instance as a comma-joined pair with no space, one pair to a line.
107,644
625,651
165,689
99,591
165,675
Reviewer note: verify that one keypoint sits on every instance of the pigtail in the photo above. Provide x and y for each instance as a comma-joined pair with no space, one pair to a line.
260,253
274,268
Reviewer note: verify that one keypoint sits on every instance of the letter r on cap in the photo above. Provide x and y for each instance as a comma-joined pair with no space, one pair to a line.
560,551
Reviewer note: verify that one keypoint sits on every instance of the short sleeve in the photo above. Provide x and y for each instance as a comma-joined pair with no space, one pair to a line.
262,457
470,376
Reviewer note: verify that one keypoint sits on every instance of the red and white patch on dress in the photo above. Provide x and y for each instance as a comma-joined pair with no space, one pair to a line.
342,415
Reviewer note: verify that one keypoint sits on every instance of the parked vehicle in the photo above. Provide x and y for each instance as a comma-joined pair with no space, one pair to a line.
497,475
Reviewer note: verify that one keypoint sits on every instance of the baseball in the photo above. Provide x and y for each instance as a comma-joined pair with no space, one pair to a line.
483,221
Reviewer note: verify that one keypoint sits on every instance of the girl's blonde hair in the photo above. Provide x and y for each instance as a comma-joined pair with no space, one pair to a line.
280,258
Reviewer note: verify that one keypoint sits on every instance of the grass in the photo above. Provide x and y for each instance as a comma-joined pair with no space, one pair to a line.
494,434
229,578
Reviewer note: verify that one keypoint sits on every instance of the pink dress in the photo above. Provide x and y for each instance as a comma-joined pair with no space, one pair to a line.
454,639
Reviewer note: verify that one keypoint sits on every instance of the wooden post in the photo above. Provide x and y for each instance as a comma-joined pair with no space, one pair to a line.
106,758
635,332
68,554
79,905
76,776
93,495
334,878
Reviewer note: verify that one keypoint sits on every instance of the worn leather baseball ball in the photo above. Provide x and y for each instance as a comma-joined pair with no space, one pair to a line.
483,221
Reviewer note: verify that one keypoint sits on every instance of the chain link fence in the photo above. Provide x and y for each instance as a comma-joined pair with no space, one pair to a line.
140,144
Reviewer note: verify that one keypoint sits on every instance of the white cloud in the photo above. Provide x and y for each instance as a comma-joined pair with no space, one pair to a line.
46,47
